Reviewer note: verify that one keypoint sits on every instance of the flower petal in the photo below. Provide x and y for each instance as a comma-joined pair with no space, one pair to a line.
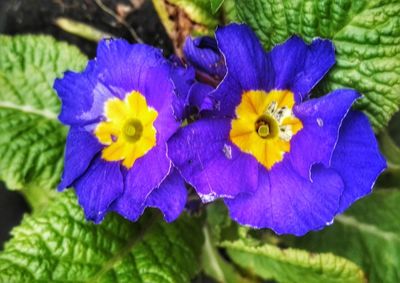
147,174
183,79
101,184
81,147
299,67
199,97
76,93
321,118
128,67
170,197
211,164
287,203
203,54
357,158
248,66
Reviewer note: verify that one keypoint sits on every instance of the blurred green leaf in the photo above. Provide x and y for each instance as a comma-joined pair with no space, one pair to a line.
366,35
368,234
390,150
58,245
292,266
215,5
215,266
31,138
229,11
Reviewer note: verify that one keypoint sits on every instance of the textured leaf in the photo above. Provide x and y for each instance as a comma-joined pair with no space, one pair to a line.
368,234
31,138
366,35
58,245
270,262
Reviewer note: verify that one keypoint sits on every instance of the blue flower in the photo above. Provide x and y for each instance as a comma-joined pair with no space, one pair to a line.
280,159
120,117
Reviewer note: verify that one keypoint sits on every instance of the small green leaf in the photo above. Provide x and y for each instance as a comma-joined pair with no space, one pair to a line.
368,234
215,5
58,245
366,35
31,138
290,265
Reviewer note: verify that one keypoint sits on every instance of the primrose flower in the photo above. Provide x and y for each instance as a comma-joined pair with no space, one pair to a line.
121,116
280,159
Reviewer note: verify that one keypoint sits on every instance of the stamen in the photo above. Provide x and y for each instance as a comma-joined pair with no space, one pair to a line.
263,131
285,132
272,107
132,130
281,113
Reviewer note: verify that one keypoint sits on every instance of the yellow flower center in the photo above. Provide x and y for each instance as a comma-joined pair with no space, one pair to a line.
128,130
265,124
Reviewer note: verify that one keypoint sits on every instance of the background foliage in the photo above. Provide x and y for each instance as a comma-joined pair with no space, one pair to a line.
55,243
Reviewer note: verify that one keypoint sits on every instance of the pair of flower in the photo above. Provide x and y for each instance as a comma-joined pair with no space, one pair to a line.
278,158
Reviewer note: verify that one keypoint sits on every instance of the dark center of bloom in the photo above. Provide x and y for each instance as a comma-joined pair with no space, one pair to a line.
265,124
132,130
266,127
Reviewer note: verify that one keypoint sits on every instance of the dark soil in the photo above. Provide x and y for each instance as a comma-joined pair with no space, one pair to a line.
38,16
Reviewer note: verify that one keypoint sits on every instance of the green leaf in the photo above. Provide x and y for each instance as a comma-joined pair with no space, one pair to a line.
31,138
229,11
215,5
58,245
215,266
290,265
366,35
368,234
390,150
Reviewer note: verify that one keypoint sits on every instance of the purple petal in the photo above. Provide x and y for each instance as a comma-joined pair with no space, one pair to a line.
248,66
299,67
101,184
321,118
148,173
126,67
81,147
287,203
199,97
170,197
209,162
183,79
76,93
357,158
203,54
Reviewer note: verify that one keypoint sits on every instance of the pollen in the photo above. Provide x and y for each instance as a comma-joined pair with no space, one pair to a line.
265,124
128,131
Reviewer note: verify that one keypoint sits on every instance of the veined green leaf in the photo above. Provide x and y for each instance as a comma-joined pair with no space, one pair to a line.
31,138
58,245
366,35
293,266
368,234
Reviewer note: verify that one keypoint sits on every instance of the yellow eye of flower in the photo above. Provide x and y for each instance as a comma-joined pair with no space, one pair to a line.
128,130
265,124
